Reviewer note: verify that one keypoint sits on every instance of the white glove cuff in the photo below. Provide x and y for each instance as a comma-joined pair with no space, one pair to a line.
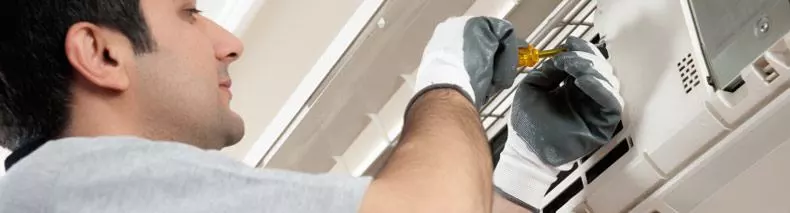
439,68
443,59
522,175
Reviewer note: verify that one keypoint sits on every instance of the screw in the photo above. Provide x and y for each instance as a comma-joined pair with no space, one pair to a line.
381,23
763,26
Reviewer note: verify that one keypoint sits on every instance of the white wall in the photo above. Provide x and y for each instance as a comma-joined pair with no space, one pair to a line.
282,43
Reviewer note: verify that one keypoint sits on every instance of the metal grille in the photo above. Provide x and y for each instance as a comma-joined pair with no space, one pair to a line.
571,18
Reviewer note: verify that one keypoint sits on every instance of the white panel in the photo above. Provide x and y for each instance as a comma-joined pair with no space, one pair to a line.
696,135
735,107
653,206
762,188
392,112
668,124
732,162
665,114
273,88
621,190
371,141
716,169
376,137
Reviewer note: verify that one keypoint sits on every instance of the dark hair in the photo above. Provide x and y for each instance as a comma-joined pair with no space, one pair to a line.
35,75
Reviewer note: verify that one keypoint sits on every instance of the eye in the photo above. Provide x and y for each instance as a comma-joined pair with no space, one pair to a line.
193,13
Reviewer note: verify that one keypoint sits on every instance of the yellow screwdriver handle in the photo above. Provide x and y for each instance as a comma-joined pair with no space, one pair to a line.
529,56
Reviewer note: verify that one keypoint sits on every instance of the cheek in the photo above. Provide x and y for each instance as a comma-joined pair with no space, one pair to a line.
191,63
179,83
186,68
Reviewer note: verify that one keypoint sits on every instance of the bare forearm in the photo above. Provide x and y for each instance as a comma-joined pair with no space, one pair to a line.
442,163
503,205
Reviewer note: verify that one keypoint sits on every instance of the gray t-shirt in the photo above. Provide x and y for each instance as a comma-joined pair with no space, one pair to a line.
126,174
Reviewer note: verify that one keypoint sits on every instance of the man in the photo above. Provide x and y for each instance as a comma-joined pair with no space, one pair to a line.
114,106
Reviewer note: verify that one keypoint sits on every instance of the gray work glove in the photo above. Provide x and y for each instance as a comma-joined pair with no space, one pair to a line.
475,55
563,110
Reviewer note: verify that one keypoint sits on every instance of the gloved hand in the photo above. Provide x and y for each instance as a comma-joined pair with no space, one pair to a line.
475,55
562,111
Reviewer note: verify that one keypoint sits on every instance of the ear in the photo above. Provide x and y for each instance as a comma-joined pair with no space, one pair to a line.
99,54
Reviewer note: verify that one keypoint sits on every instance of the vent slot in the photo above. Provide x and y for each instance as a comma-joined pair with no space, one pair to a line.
617,130
565,196
607,161
591,174
687,67
561,177
497,144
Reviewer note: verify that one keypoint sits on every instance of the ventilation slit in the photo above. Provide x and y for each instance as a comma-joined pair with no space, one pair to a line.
565,196
562,176
688,73
607,160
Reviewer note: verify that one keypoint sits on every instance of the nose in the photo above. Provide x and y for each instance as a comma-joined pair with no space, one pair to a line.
227,47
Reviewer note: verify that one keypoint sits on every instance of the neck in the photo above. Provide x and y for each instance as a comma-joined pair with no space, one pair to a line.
95,114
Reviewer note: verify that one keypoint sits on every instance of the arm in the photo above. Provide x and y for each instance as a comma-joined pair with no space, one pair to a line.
503,205
442,163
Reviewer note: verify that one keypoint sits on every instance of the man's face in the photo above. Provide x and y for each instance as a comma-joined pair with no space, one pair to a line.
183,85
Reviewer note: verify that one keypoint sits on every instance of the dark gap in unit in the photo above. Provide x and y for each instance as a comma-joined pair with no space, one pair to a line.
565,196
618,128
497,144
682,68
734,85
598,41
562,176
696,83
690,61
685,79
688,90
607,160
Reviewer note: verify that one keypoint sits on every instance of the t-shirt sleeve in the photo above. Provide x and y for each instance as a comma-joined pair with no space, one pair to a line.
238,188
134,175
180,179
283,191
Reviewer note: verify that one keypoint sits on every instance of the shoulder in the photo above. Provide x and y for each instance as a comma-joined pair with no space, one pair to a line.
141,173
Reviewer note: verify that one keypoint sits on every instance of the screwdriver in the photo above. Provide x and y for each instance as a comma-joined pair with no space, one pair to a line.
529,56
